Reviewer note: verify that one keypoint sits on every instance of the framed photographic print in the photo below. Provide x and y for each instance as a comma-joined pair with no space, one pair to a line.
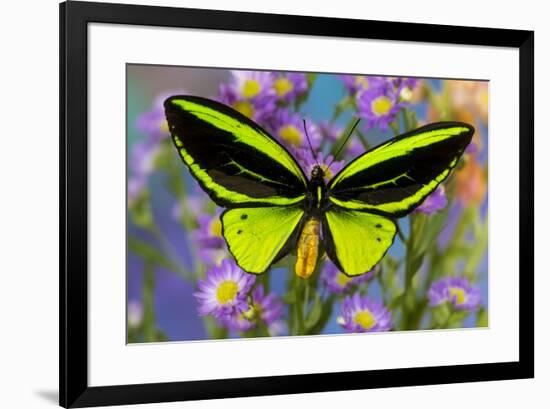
259,204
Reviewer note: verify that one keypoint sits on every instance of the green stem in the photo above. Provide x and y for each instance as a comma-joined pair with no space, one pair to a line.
394,125
411,267
171,253
400,234
299,307
306,298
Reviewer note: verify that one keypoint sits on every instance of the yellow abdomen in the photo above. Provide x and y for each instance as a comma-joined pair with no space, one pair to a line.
308,248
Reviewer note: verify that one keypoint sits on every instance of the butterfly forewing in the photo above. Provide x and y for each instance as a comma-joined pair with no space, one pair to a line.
395,177
235,161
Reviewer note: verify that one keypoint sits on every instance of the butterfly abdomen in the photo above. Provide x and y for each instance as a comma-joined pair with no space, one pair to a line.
308,248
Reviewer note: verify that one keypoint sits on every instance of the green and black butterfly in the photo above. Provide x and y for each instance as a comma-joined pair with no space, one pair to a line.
273,207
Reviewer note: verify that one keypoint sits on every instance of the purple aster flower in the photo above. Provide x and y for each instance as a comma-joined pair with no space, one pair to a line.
266,308
224,290
136,185
260,110
251,93
236,321
288,128
251,85
338,283
378,105
455,290
288,86
153,122
362,314
436,201
404,87
143,156
210,244
359,83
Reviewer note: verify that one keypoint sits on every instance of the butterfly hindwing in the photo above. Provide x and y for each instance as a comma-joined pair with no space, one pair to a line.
235,161
356,241
395,177
256,237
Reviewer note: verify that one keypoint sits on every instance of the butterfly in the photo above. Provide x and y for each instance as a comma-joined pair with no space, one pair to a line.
273,207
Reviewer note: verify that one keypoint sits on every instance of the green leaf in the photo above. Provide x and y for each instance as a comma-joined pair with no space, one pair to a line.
441,314
482,318
326,313
212,328
314,313
150,254
409,120
140,211
457,319
289,297
416,263
432,228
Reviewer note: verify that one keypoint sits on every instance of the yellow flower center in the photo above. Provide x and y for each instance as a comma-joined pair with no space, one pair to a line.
291,135
227,291
253,312
361,82
244,108
328,176
216,227
342,279
251,88
365,319
458,294
381,105
283,86
164,126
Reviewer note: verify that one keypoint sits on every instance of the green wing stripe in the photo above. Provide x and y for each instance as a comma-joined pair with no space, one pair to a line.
397,207
234,160
256,237
395,177
356,241
398,147
229,195
254,137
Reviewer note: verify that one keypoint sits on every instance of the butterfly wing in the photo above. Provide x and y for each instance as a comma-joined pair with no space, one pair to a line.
243,168
257,237
395,177
234,160
355,241
386,182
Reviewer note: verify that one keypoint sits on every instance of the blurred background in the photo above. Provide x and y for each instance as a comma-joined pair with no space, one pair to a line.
172,237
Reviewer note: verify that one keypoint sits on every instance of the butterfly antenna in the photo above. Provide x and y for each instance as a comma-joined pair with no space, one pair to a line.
345,142
309,143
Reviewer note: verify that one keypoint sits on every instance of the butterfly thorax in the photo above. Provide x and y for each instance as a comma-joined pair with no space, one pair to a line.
317,193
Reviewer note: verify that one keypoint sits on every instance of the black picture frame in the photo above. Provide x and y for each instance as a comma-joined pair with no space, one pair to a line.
73,379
